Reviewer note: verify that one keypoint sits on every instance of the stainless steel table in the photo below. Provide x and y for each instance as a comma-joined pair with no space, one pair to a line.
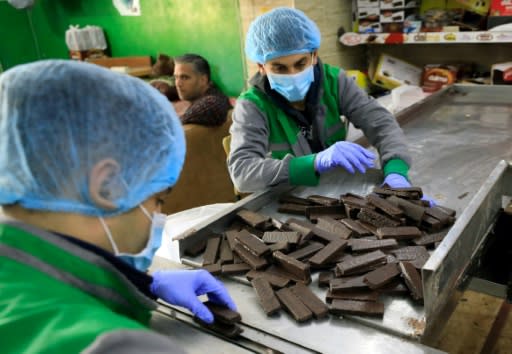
457,136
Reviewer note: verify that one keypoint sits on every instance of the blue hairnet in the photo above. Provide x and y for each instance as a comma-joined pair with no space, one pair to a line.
282,31
58,118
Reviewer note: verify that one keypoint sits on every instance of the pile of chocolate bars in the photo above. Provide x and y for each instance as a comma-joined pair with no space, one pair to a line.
362,247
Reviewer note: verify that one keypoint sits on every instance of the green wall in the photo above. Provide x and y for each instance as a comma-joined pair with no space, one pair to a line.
210,28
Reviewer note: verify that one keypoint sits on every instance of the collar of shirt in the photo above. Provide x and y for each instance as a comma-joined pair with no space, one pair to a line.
141,280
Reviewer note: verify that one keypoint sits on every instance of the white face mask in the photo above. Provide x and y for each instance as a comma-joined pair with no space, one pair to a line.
143,259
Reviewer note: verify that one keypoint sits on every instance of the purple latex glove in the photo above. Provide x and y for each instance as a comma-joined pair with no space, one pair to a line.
344,154
394,180
182,287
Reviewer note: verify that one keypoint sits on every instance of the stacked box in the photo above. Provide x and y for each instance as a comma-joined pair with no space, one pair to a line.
366,16
374,16
500,13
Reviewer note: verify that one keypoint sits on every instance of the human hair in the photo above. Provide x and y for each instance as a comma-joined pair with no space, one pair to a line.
199,63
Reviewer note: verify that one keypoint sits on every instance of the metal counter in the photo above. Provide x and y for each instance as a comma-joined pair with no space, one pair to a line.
457,136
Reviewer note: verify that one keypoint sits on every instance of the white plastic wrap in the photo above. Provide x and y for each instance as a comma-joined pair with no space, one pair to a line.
89,37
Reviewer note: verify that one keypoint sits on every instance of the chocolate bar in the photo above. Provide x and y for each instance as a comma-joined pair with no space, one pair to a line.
430,239
352,307
347,283
363,295
440,214
279,246
211,251
398,233
385,206
312,302
227,330
294,305
355,201
292,237
291,199
412,279
362,245
324,279
395,287
235,268
283,273
374,218
358,262
381,276
274,279
307,250
356,227
278,224
323,200
304,227
333,226
253,219
254,261
226,255
223,314
330,251
448,211
430,223
196,248
406,193
253,244
214,268
297,268
314,212
409,253
230,236
413,211
297,209
266,296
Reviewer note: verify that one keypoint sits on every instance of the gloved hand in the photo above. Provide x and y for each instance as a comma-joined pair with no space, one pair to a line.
344,154
182,287
394,180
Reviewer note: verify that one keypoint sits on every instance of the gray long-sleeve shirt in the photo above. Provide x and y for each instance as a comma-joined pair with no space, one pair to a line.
253,169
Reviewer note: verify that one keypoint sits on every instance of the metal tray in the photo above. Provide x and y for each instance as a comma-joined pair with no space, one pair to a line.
456,136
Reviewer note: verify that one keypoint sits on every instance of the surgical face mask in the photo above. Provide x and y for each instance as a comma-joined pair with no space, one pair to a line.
293,87
143,259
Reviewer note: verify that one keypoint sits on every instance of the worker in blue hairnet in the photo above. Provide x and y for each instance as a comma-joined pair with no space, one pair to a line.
86,156
287,126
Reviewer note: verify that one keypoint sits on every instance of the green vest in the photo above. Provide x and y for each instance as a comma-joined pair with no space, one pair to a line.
56,297
285,136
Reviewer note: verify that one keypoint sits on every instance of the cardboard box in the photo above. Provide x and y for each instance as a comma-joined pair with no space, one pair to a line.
387,16
392,72
436,76
368,13
392,4
367,3
501,74
369,27
501,8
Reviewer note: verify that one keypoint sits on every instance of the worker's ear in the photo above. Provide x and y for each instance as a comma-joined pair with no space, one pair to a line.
103,176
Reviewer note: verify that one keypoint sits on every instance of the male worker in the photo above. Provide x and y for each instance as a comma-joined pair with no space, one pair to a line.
287,127
83,169
207,104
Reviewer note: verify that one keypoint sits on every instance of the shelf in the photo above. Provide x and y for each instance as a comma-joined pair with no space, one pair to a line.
353,39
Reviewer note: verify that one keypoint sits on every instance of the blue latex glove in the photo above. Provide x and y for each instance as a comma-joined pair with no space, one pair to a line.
394,180
344,154
182,287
